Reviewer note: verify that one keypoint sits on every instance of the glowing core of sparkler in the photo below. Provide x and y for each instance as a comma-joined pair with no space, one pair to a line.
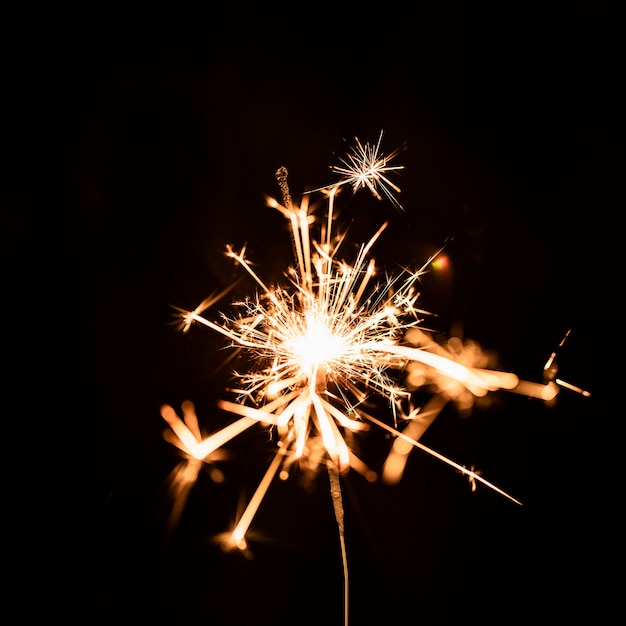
317,345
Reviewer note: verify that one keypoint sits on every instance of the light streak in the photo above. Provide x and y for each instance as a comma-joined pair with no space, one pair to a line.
328,340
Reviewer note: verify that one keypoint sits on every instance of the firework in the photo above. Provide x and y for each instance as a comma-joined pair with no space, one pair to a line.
328,344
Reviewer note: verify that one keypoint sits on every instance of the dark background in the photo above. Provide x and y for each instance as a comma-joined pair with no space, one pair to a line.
139,142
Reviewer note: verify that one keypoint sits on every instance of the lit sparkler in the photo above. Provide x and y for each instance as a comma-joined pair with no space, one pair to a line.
323,345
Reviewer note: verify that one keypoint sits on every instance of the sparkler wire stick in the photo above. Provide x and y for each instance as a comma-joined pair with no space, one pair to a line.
335,490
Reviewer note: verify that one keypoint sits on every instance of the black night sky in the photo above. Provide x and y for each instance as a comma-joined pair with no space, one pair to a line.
139,143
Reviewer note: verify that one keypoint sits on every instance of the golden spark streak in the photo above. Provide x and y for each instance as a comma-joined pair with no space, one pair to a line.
477,380
240,530
461,468
583,392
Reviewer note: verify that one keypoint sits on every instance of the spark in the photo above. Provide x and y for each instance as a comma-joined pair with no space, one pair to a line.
185,434
328,343
365,166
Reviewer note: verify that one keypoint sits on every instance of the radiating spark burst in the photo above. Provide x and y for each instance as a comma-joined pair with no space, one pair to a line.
323,345
366,166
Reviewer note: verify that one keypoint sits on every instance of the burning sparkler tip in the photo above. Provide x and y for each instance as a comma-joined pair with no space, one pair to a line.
281,176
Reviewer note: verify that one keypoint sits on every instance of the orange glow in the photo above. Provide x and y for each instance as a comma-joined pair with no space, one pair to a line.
441,263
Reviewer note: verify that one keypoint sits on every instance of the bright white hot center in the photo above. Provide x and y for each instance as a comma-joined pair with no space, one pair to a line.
316,344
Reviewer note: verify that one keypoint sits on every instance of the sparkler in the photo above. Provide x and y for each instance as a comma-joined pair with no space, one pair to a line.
324,345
